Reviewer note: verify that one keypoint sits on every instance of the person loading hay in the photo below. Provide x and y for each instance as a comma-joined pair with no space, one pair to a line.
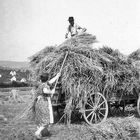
43,104
73,28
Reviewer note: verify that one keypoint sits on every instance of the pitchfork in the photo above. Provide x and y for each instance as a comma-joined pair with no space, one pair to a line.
60,70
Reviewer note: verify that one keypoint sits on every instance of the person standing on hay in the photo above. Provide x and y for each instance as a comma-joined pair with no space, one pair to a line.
73,29
45,92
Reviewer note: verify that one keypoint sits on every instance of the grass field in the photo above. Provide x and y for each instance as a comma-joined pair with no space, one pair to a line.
115,127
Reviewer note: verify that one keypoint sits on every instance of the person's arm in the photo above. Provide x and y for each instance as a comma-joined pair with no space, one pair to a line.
54,79
80,28
48,91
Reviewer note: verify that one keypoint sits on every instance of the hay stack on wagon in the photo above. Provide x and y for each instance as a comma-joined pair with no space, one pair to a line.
122,77
134,59
83,68
86,70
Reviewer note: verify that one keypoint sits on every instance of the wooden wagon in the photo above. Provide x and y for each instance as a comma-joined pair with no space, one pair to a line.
98,105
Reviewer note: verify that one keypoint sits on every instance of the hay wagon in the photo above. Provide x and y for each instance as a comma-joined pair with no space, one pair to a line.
98,106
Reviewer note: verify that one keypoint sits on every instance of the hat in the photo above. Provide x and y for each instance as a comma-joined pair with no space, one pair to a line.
70,19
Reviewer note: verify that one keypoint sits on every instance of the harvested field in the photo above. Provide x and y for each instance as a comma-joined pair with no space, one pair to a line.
115,127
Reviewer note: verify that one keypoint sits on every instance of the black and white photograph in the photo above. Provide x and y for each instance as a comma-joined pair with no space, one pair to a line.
69,70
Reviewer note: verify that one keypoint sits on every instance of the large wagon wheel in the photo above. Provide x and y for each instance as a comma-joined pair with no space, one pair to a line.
96,109
138,105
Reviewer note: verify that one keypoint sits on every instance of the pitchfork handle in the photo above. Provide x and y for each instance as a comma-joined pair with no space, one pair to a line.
61,69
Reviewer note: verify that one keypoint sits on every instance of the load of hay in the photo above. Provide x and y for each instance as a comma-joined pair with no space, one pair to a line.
134,59
86,70
122,77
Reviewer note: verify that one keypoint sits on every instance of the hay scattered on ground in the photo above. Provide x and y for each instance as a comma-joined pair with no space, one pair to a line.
113,129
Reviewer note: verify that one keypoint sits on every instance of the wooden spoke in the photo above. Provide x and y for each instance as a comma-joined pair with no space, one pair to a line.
95,118
89,110
92,117
101,104
89,104
102,108
101,113
99,117
89,114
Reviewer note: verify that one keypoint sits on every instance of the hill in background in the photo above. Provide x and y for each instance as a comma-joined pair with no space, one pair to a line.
14,64
21,69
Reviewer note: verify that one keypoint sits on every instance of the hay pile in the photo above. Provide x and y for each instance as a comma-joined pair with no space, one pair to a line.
121,77
36,58
86,70
112,129
134,59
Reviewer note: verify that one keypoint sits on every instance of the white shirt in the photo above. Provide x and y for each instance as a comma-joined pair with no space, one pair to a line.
73,30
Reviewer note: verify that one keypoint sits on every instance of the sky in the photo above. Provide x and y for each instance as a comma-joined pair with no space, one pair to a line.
27,26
